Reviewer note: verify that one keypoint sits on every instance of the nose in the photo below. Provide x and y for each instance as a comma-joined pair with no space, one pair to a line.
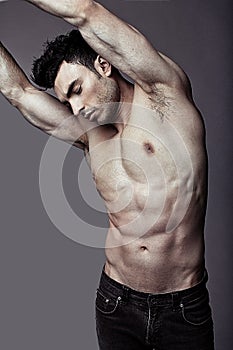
77,106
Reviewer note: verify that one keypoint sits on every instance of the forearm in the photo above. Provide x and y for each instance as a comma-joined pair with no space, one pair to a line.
13,81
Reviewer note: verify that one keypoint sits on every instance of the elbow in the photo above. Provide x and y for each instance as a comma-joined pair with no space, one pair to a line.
13,95
16,94
81,14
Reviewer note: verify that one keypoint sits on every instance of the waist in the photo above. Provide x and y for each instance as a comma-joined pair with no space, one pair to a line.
124,292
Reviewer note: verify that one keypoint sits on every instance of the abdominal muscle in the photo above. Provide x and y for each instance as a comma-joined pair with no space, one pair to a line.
141,253
157,264
158,261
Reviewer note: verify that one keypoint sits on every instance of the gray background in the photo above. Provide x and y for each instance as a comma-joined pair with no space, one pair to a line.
48,282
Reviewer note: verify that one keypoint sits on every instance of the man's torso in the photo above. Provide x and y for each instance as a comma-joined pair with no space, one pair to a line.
153,178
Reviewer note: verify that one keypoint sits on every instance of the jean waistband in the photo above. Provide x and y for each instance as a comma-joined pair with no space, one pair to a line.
125,292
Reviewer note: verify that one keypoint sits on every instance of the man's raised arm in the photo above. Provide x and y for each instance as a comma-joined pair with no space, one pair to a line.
118,42
39,108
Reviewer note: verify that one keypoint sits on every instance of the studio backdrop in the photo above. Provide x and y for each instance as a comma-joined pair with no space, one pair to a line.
48,281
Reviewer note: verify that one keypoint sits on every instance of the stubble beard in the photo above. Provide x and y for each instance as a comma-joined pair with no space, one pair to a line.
108,100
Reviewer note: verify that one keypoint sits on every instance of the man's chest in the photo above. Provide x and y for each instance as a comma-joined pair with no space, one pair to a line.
136,160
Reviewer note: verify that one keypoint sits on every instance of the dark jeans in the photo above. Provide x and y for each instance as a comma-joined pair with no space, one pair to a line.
131,320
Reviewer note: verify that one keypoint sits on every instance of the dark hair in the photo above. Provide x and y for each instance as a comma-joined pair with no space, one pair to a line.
70,47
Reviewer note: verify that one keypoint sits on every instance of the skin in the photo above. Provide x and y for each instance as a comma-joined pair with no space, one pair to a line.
131,122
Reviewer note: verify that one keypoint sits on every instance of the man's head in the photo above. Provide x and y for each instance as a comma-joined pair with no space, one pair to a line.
80,77
71,48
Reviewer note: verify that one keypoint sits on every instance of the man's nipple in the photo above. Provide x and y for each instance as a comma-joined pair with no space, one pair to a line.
148,147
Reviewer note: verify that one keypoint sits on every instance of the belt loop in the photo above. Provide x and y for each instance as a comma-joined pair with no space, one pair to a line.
126,293
175,301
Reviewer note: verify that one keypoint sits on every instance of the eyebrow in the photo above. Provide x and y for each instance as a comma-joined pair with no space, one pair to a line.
70,88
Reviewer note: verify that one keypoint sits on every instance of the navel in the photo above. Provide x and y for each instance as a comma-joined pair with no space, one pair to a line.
143,248
149,147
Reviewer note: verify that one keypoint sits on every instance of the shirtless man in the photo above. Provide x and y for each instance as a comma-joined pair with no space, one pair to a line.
152,292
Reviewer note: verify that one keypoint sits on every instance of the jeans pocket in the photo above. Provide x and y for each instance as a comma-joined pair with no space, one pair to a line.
106,304
197,311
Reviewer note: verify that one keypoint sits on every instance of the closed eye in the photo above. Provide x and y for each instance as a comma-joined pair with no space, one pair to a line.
78,91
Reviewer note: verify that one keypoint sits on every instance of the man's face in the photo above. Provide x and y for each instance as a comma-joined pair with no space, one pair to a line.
87,94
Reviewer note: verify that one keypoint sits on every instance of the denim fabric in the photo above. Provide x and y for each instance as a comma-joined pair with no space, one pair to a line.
131,320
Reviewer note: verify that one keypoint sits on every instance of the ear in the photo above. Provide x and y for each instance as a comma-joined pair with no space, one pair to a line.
103,67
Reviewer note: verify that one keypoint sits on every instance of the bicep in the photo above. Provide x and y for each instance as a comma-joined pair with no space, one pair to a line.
126,48
50,115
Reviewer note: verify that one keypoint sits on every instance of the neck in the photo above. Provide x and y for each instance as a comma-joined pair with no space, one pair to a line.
126,99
